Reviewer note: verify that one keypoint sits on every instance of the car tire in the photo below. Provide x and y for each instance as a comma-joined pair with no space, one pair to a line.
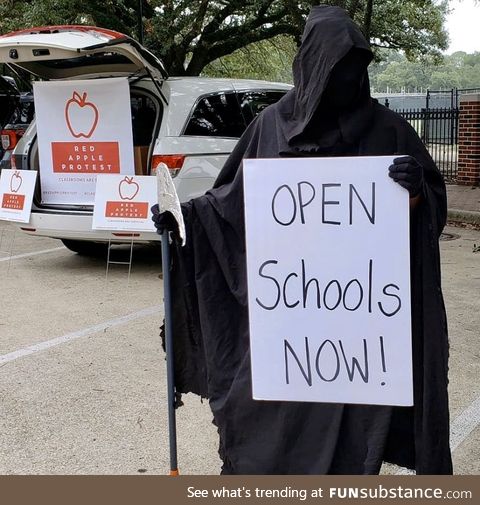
86,247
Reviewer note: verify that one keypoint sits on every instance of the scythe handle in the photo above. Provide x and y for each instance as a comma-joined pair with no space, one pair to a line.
172,428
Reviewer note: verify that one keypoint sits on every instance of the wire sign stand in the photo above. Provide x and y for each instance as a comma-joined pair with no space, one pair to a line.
7,242
118,262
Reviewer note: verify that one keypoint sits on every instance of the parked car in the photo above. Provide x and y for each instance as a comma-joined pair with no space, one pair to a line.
189,123
15,127
9,97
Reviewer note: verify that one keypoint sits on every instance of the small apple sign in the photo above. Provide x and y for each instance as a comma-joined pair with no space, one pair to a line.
123,203
81,116
16,194
15,182
128,188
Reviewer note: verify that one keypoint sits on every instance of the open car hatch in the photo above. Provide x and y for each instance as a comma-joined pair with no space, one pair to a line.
70,51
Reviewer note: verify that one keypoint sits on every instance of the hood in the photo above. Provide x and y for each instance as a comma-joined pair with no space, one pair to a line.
69,52
329,35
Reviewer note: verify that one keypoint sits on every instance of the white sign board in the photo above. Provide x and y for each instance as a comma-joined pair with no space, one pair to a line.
84,129
124,202
16,194
328,281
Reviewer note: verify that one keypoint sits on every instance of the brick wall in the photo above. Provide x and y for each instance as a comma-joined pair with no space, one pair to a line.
469,140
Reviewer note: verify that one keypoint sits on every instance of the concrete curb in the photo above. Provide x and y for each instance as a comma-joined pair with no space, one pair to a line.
463,216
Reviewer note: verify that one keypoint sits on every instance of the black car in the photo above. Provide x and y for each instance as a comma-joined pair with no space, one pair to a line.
14,126
9,98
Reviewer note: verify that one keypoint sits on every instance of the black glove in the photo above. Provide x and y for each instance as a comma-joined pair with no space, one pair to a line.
164,220
408,172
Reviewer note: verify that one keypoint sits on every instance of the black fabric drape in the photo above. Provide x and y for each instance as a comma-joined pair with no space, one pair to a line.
210,293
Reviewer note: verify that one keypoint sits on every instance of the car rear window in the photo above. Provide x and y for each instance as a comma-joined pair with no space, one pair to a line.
216,116
253,102
228,114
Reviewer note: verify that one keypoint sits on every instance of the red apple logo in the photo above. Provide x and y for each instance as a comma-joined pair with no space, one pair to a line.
15,182
128,188
81,116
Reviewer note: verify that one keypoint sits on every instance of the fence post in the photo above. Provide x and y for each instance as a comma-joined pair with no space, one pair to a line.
469,140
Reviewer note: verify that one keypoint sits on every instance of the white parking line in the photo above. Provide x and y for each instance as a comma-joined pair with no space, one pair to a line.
36,253
460,429
464,424
42,346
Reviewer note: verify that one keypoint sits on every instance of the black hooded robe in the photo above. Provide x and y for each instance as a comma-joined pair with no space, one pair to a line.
211,339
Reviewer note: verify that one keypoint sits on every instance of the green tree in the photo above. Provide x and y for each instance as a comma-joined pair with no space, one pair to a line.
402,75
395,73
116,15
413,26
190,34
269,60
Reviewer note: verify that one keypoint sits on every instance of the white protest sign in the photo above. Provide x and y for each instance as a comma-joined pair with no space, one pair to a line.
16,194
124,202
328,281
84,129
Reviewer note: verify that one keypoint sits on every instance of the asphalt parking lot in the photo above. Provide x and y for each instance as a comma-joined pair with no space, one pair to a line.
82,373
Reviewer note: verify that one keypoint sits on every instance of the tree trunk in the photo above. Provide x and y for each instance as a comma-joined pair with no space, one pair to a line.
367,20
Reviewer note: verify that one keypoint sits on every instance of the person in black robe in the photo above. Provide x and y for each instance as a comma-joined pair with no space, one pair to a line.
329,112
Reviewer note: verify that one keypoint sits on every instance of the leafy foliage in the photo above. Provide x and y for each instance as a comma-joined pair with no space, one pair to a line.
397,74
270,60
414,26
191,34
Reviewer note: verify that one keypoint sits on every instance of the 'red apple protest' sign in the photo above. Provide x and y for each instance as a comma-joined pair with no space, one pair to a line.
84,129
82,157
16,194
122,203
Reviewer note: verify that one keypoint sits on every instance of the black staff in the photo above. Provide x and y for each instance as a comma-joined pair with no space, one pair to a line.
172,428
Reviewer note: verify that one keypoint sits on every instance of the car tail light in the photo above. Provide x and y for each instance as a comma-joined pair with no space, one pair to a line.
174,162
10,138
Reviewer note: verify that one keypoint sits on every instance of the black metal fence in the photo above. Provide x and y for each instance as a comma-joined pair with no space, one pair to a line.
438,129
437,126
443,98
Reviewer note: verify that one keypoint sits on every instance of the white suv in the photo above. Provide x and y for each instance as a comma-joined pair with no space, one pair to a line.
189,123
